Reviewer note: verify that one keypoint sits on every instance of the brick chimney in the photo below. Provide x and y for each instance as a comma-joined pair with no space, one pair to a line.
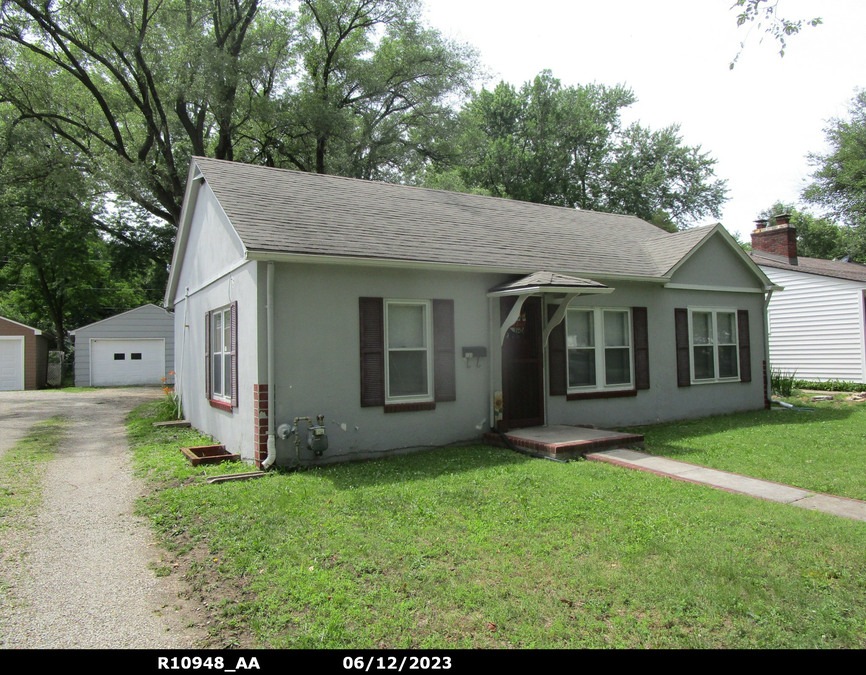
778,242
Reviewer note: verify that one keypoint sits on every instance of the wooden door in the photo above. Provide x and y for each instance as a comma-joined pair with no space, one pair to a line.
522,367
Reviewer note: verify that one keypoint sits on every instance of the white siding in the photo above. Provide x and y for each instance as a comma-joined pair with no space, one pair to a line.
816,326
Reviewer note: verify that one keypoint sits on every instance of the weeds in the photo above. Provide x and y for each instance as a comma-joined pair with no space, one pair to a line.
782,382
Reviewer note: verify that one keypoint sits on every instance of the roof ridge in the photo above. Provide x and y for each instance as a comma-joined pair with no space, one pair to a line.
367,181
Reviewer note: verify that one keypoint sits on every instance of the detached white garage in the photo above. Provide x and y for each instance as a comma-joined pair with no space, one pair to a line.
135,347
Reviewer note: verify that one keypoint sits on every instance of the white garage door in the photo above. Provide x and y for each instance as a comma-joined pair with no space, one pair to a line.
118,362
11,364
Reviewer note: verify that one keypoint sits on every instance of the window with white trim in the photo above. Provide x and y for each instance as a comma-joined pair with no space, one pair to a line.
408,353
599,349
221,356
713,344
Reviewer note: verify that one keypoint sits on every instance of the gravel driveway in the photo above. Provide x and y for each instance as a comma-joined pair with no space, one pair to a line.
82,576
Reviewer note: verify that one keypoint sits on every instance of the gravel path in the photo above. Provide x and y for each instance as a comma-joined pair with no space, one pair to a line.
82,577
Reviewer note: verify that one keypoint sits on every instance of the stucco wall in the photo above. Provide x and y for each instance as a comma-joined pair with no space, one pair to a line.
715,263
146,322
317,359
234,428
318,363
213,246
665,400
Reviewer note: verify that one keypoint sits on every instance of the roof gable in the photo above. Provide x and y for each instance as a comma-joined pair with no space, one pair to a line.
36,331
148,308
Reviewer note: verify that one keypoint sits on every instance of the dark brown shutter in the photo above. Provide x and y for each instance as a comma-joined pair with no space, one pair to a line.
372,351
207,363
745,348
556,356
684,375
445,384
640,333
233,322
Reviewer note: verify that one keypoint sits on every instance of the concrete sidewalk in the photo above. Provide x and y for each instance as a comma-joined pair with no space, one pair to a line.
733,482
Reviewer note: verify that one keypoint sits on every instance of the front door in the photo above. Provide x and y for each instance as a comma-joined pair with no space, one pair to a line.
522,366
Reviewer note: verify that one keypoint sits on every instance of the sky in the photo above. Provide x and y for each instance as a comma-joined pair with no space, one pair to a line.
759,120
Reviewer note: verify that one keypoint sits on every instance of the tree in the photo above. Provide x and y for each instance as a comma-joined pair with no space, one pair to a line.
566,146
56,268
375,94
137,88
765,15
356,87
839,180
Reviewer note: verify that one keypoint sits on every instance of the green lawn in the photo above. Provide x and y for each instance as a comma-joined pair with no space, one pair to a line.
822,451
480,547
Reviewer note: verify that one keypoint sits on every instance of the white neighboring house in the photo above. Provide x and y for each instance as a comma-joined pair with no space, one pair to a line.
817,322
134,347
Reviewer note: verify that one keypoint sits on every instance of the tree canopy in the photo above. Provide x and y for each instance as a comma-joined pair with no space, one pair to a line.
765,14
357,87
839,180
57,267
566,146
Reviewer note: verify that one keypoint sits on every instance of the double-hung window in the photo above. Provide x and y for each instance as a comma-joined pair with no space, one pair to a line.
408,340
713,344
221,357
599,347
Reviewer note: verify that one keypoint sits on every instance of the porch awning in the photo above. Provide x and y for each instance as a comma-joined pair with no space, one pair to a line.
544,282
548,282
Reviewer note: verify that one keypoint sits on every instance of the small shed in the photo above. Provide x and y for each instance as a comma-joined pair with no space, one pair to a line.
23,356
134,347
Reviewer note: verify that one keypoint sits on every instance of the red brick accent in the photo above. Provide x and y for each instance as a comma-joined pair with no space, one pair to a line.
780,241
410,407
260,423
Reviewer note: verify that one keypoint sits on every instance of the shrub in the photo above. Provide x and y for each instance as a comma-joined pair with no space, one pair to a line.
829,385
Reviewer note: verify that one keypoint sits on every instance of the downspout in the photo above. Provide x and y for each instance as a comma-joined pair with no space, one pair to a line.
272,443
768,375
178,376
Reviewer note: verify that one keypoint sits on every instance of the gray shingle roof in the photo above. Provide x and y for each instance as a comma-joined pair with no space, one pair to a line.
548,279
825,268
284,211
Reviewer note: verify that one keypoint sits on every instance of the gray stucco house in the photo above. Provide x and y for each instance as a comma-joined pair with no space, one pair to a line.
412,318
131,348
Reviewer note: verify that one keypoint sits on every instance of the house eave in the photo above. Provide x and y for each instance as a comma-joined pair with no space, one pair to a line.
358,261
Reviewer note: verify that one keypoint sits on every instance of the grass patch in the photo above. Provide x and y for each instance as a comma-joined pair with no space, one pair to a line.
823,450
480,547
157,450
21,469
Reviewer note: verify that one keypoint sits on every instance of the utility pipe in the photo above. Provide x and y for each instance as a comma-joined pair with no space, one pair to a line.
272,443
